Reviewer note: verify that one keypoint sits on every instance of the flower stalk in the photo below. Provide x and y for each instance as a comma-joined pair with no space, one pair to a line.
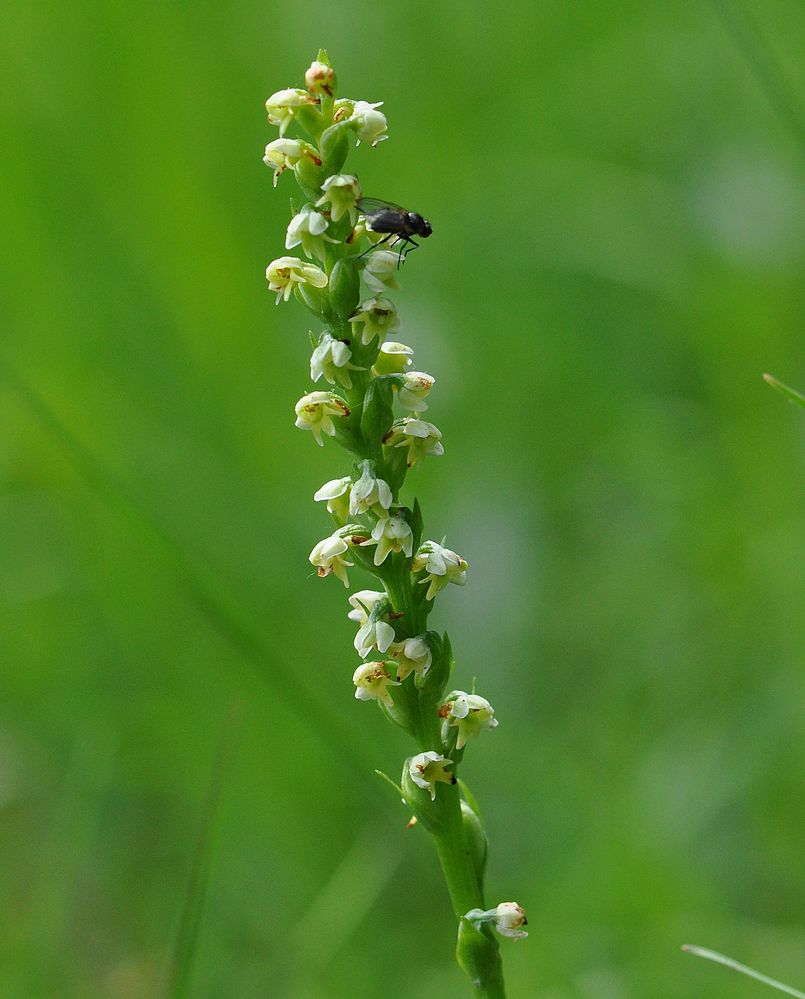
367,401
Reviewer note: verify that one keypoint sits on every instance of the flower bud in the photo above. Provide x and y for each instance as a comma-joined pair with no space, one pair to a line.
320,79
334,146
509,917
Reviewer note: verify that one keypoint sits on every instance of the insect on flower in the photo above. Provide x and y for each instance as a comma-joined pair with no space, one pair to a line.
397,223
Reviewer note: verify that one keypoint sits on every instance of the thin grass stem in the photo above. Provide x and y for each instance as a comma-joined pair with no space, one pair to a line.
728,962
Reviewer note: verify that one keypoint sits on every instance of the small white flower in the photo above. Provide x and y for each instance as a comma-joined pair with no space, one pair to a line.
285,272
341,192
284,153
336,492
393,359
315,412
370,493
509,917
443,566
362,604
469,713
308,227
283,105
427,768
421,439
319,78
416,386
328,557
368,607
332,359
392,534
373,634
372,682
379,318
413,656
380,271
371,123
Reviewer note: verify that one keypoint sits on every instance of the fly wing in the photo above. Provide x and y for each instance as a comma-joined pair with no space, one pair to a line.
383,216
373,206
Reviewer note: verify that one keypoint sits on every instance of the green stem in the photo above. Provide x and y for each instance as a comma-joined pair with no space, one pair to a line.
477,952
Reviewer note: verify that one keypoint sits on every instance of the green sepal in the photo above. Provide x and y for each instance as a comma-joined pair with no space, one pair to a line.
377,413
476,840
438,676
314,299
310,177
309,118
399,714
470,798
388,780
395,463
364,557
346,436
415,520
478,955
344,288
334,148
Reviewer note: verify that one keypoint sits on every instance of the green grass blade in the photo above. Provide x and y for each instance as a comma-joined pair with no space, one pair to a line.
199,581
763,62
342,904
791,394
179,968
712,955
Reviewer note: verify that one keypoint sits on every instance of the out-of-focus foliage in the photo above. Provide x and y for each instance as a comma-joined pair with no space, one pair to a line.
616,195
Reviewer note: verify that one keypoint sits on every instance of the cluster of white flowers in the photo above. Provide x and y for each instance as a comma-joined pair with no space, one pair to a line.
345,282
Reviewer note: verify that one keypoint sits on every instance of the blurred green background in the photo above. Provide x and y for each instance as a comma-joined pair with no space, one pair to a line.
617,201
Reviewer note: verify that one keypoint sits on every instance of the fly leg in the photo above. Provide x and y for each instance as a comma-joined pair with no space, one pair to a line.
407,245
412,246
374,246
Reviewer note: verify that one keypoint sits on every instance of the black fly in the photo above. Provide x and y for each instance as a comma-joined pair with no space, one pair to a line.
397,223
